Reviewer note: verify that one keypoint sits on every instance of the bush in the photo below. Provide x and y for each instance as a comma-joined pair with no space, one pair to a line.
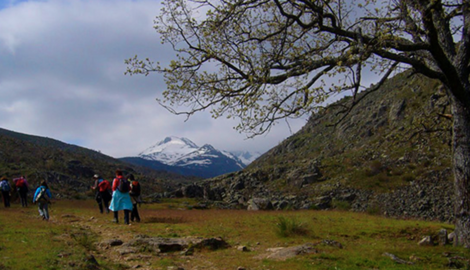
341,205
373,210
286,227
408,177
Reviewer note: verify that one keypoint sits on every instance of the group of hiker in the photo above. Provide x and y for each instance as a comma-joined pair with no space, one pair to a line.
123,194
42,194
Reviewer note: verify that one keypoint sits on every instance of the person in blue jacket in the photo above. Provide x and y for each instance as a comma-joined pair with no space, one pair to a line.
42,197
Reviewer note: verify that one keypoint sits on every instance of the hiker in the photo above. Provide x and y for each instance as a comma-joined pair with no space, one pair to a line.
121,199
22,187
103,195
42,196
6,189
135,197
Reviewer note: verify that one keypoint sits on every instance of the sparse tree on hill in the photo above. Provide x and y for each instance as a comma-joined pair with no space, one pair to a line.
265,60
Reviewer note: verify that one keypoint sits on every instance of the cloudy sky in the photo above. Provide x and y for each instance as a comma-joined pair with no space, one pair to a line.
62,76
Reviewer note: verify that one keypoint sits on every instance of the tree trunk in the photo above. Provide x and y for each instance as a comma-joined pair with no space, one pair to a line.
461,170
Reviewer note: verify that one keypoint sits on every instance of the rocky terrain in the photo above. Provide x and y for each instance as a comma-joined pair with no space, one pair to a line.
390,154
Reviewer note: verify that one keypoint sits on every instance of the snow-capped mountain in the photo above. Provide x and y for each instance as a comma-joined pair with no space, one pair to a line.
245,156
184,156
170,150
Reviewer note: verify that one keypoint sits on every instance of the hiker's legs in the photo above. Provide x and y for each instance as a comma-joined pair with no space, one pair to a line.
116,216
5,198
106,198
106,206
41,209
126,216
45,210
24,198
99,200
135,213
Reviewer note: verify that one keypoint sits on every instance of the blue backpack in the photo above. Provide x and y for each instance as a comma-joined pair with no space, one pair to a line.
5,185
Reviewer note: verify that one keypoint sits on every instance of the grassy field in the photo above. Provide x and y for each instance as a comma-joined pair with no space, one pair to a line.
71,239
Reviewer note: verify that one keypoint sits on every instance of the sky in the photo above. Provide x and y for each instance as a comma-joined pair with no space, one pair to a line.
62,76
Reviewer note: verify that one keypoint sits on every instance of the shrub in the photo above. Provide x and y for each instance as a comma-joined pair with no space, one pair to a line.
85,240
408,177
286,227
341,205
373,210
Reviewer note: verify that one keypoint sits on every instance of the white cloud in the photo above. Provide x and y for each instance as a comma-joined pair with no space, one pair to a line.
62,76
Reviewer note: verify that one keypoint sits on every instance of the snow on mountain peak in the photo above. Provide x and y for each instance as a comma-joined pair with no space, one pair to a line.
177,151
169,150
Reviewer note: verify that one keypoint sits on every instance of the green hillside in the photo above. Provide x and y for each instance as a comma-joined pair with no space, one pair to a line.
388,154
69,168
393,136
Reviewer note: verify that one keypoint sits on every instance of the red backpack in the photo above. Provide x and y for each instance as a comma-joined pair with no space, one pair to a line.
20,183
104,185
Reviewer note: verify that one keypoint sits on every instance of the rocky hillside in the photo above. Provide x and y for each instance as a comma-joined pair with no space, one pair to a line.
69,168
390,154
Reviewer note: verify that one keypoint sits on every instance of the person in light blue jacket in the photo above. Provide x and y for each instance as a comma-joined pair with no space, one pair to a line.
42,197
121,199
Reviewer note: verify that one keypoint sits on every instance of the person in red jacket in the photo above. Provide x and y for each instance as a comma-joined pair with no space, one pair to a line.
103,193
22,186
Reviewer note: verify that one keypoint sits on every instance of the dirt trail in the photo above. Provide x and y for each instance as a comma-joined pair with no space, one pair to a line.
101,228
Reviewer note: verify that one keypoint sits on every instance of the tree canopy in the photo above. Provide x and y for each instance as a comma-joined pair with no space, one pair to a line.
261,61
265,60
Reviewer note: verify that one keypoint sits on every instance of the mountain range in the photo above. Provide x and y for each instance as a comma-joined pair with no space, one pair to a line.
182,156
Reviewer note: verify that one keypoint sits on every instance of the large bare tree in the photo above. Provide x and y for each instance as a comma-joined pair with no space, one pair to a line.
265,60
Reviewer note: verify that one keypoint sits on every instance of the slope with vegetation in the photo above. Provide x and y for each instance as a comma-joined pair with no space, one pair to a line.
390,154
68,168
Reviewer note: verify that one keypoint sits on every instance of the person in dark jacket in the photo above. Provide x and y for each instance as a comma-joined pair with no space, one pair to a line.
22,186
102,195
5,187
135,197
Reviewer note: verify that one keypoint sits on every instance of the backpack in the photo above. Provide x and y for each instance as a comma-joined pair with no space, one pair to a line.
135,188
5,185
124,185
42,195
104,185
20,183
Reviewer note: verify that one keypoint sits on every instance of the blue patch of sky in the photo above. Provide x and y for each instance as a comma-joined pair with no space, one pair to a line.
9,3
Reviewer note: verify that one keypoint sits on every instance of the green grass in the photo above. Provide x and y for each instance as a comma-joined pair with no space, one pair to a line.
76,228
287,227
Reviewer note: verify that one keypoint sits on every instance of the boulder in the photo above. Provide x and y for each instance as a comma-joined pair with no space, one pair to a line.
256,204
284,253
163,245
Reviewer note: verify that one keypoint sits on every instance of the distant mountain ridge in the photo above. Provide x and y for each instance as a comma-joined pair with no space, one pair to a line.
183,156
69,168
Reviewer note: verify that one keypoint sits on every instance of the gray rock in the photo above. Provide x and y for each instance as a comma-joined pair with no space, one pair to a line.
426,241
256,204
284,253
443,237
110,243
